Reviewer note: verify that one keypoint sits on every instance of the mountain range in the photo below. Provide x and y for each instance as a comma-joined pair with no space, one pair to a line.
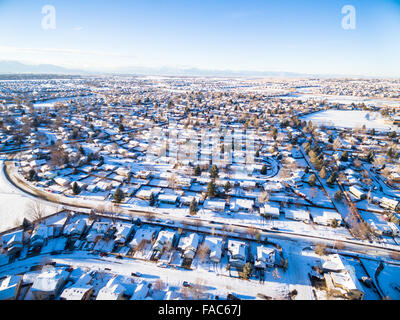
16,67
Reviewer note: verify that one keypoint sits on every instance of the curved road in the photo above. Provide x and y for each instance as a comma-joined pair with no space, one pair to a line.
52,200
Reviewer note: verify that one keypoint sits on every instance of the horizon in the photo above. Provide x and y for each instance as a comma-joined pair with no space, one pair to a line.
306,38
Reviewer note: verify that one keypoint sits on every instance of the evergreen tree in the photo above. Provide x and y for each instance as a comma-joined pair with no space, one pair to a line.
119,196
211,189
227,187
214,172
263,170
197,171
75,188
31,175
193,207
152,200
345,156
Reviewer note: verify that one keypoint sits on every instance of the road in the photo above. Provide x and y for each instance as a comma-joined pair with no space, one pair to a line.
196,223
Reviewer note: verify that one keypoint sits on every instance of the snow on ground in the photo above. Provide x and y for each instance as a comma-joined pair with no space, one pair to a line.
350,119
215,284
13,204
388,278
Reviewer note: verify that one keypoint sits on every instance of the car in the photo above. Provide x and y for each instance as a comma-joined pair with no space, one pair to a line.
186,284
162,265
231,296
136,274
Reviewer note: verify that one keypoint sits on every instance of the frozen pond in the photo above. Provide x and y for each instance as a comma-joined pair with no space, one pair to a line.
351,119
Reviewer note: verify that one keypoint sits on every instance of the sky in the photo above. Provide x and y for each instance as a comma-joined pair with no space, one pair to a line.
302,36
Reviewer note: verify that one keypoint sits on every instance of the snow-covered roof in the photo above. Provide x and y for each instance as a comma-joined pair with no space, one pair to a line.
9,287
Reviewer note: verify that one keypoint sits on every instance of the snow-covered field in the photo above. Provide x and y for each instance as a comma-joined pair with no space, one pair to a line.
350,119
306,94
13,204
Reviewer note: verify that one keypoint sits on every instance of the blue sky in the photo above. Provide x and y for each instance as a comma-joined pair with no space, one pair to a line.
288,35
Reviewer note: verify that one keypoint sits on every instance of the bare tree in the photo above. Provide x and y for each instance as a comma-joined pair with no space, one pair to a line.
202,252
159,285
198,288
320,249
35,210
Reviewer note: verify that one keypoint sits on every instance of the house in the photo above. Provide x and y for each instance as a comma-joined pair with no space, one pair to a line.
265,257
237,253
75,229
168,198
13,242
103,186
248,185
142,235
389,204
63,182
9,287
140,292
188,245
269,211
113,290
325,216
333,263
341,279
98,230
214,245
145,194
297,214
184,182
344,284
40,235
245,205
165,239
215,205
395,229
77,292
124,230
273,186
356,192
48,284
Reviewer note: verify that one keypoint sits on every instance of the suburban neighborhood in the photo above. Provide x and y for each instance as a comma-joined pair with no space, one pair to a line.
177,188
